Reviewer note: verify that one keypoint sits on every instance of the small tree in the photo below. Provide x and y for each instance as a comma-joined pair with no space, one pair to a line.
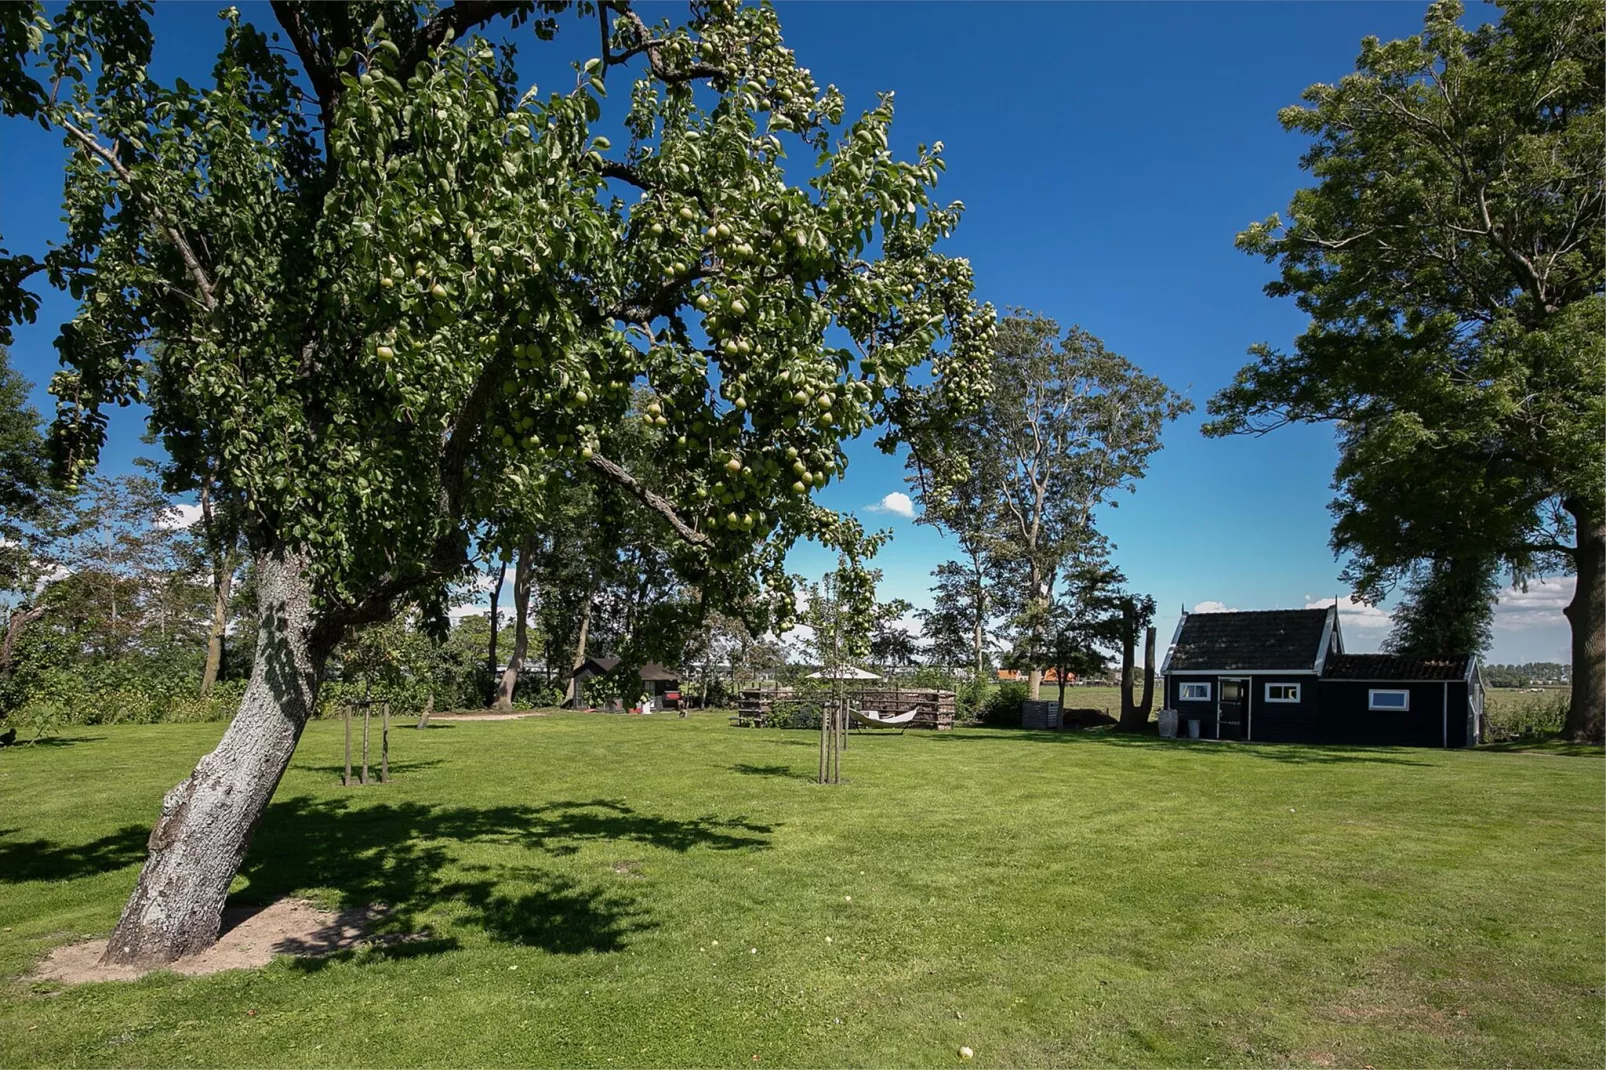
842,615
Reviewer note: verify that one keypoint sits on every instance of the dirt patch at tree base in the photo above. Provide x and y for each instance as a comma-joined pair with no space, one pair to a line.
514,715
252,936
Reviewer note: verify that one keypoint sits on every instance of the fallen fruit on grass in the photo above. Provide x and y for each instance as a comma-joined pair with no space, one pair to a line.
966,1053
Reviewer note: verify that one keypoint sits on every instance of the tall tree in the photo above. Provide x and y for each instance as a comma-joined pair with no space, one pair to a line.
27,503
1450,257
956,501
381,284
523,578
1066,426
1448,608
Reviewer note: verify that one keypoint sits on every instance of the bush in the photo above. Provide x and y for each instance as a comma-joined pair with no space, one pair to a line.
1002,709
1516,718
795,713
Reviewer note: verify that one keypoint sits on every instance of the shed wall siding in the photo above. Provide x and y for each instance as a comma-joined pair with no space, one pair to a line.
1346,719
1283,722
1204,712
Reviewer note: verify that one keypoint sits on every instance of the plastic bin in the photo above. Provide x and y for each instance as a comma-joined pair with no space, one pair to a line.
1168,724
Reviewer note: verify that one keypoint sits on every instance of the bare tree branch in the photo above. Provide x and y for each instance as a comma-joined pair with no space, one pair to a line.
203,281
652,501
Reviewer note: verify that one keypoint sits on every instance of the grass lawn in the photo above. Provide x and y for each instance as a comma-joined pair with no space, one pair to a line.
593,886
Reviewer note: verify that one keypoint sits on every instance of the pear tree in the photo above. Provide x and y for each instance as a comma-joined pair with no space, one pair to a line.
366,281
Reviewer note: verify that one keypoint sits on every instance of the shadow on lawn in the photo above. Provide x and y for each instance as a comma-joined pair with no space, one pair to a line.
403,855
783,772
1293,754
22,745
44,860
338,771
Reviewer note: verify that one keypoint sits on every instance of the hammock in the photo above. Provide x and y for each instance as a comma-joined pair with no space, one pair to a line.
877,719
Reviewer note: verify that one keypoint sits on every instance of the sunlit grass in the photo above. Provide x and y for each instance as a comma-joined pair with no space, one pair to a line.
612,890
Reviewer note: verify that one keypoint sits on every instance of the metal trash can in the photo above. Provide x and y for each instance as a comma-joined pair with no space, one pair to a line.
1168,724
1193,728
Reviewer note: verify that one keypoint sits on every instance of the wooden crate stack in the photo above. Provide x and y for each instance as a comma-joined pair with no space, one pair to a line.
754,705
937,707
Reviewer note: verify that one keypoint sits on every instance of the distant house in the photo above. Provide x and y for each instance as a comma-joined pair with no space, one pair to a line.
1282,676
662,684
1050,676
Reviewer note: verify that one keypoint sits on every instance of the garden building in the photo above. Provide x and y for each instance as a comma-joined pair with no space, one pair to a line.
663,685
1282,676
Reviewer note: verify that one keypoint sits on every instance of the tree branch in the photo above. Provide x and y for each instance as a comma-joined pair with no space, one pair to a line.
450,23
652,501
645,42
202,281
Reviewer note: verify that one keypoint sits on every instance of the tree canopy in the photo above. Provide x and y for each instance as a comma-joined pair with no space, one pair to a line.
1065,427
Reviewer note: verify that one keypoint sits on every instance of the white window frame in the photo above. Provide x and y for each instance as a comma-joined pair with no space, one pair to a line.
1298,690
1404,693
1182,685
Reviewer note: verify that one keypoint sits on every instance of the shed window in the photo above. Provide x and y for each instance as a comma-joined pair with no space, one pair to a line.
1193,692
1378,698
1282,692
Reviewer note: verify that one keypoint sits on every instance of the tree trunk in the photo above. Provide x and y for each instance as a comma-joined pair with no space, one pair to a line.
1586,718
207,820
522,573
222,583
1134,714
490,651
571,693
980,647
20,619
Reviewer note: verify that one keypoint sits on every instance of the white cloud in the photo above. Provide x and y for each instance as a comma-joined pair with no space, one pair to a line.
897,503
177,518
1355,617
1539,606
1214,607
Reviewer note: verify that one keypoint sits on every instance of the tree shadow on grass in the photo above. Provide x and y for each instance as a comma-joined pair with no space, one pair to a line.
1290,753
22,745
338,771
784,772
46,860
404,856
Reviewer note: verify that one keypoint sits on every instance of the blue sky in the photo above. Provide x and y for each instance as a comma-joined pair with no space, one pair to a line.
1107,154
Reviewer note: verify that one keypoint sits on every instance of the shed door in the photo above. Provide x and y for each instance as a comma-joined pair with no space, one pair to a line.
1234,708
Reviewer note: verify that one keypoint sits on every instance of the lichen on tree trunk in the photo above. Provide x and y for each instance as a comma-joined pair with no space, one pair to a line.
206,823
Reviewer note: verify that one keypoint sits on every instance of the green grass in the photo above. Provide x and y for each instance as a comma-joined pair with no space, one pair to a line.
1043,898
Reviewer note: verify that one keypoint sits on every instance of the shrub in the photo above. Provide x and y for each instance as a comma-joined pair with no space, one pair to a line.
1545,715
802,712
1002,709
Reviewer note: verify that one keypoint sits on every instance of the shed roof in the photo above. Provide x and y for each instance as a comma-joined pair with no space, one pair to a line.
651,672
1262,639
1401,667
